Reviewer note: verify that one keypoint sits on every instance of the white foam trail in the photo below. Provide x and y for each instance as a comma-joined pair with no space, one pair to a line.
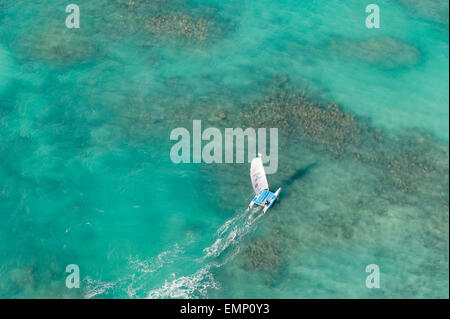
231,232
144,267
186,287
154,263
196,285
96,287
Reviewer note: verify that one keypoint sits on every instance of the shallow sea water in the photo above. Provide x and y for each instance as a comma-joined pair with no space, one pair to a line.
86,177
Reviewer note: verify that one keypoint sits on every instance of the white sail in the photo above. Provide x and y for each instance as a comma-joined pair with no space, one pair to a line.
258,175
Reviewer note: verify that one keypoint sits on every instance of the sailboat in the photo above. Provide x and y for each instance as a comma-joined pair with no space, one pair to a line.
263,196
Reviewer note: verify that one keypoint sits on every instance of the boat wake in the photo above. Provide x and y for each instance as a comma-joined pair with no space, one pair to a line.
196,285
225,247
232,231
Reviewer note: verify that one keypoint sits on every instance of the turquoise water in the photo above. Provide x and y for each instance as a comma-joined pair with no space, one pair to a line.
86,177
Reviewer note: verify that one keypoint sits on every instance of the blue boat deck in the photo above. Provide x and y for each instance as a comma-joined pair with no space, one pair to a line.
264,195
